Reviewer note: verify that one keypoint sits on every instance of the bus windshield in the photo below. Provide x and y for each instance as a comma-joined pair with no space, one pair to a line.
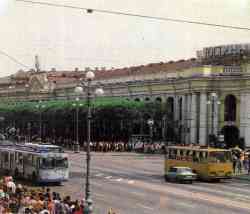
219,157
50,163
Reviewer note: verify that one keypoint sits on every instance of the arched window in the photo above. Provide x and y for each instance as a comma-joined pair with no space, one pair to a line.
158,99
230,108
137,99
170,108
147,99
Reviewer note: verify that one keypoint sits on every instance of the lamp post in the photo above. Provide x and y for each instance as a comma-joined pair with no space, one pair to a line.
76,145
213,100
10,88
39,106
99,91
151,123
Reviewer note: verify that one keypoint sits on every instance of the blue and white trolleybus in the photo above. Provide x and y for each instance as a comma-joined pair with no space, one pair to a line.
40,163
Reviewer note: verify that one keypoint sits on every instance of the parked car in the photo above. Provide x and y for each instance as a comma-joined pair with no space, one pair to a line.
180,174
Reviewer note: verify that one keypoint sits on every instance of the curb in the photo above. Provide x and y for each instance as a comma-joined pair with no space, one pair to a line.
242,177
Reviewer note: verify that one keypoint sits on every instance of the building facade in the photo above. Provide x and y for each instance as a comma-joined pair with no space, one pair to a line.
206,96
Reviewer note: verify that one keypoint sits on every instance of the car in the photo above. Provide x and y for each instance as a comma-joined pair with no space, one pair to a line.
180,174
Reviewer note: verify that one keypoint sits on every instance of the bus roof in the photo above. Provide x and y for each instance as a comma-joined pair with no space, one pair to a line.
197,148
30,147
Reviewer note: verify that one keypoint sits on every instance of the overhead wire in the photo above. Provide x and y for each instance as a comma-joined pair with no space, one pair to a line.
91,10
13,59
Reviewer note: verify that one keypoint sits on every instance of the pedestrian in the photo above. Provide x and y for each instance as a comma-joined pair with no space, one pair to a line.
234,157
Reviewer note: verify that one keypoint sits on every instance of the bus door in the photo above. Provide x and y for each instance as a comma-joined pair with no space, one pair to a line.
12,160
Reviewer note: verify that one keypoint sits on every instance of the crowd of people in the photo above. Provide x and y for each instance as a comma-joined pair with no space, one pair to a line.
241,161
17,199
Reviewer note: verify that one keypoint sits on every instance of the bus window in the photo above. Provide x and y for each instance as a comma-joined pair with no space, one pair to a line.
195,158
49,163
173,153
61,162
203,156
29,159
20,158
46,163
6,157
219,157
16,157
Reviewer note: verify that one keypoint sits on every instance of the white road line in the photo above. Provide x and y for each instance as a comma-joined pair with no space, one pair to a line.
185,205
119,179
138,193
99,175
145,207
108,177
131,182
99,195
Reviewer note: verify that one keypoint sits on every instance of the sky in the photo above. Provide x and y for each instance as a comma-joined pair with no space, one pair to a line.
67,38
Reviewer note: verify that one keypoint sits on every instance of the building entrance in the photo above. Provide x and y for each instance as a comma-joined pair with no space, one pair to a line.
231,136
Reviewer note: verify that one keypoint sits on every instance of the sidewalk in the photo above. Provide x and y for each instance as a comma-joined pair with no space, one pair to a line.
242,176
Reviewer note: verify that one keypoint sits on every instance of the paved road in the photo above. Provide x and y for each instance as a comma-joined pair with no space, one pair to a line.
133,184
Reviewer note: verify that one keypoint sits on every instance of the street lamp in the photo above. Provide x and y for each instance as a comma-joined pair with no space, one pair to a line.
40,106
99,91
11,102
76,145
213,100
151,123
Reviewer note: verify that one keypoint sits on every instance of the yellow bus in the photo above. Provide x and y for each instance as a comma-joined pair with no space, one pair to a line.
208,163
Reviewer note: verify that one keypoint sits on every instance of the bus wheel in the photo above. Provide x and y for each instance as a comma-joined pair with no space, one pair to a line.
166,178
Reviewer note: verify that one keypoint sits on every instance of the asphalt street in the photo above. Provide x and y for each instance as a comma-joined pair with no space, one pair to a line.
133,184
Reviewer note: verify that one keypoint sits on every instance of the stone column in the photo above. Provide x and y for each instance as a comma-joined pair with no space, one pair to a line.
245,124
244,103
186,117
193,119
189,116
203,119
176,108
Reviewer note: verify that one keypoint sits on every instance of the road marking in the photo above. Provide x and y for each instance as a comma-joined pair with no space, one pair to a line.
138,193
145,207
131,182
219,200
185,204
119,179
108,177
99,195
99,175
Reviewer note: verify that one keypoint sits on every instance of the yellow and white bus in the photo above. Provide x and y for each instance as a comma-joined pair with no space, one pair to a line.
208,163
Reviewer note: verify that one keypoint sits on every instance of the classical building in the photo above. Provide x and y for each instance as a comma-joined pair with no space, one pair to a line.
206,96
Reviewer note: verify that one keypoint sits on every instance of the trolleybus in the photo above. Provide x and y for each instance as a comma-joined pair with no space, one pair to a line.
40,163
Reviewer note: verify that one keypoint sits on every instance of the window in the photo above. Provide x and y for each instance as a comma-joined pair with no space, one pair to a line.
195,158
6,157
50,163
230,108
20,158
61,162
184,169
173,169
219,157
